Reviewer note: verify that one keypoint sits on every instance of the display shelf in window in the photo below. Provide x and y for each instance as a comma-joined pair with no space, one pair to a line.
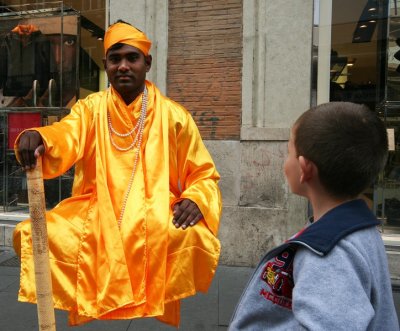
14,195
386,195
2,159
39,70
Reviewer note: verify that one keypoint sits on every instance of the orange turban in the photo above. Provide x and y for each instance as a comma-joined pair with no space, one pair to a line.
126,34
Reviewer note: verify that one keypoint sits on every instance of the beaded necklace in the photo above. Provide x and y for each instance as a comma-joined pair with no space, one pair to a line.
138,127
137,141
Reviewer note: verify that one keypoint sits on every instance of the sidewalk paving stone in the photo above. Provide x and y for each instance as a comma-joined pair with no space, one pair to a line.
203,312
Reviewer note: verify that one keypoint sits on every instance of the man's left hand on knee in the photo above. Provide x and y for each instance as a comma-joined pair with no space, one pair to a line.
186,213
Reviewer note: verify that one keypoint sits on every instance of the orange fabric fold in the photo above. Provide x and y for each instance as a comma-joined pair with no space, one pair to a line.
144,268
26,29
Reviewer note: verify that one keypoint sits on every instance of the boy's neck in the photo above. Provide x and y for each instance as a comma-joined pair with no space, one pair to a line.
321,204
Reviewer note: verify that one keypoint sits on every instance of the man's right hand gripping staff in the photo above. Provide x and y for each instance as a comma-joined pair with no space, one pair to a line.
30,147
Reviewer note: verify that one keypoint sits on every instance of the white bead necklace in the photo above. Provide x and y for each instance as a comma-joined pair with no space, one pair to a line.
121,134
137,141
138,127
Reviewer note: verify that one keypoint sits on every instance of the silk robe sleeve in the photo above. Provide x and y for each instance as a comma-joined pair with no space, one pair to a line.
64,141
195,176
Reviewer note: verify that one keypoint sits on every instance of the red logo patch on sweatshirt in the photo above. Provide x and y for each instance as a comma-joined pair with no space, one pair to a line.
278,275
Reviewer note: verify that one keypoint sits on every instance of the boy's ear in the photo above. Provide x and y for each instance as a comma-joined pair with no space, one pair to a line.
308,169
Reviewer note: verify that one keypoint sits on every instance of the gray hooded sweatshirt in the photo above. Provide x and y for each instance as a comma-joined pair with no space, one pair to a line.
331,276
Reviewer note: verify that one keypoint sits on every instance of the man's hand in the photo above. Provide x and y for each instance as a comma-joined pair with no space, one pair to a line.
186,213
30,147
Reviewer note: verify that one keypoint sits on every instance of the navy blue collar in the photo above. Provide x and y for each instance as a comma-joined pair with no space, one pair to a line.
337,223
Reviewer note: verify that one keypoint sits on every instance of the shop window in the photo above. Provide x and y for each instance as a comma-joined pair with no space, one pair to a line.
357,58
38,79
50,55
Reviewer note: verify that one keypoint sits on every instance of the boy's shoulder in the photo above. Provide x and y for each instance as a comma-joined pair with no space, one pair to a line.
322,236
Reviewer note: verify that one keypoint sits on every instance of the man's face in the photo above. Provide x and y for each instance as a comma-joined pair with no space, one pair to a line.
126,69
63,61
66,46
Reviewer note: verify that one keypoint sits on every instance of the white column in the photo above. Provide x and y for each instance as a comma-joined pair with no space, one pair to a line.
276,75
150,16
324,50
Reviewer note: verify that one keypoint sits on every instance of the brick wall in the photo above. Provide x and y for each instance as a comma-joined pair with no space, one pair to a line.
205,63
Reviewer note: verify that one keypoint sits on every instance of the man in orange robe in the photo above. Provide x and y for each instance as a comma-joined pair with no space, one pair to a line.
139,231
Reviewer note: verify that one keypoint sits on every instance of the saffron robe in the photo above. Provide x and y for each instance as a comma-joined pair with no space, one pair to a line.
143,268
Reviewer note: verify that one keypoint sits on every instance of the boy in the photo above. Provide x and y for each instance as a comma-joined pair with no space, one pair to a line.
333,274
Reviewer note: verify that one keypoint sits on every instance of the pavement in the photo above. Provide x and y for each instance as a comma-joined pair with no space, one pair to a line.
202,312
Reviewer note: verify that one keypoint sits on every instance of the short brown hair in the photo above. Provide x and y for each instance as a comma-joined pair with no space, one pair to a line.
346,141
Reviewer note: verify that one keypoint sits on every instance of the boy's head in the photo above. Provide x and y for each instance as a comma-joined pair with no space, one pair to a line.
346,142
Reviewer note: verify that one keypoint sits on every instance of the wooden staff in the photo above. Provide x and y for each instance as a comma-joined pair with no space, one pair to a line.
37,211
